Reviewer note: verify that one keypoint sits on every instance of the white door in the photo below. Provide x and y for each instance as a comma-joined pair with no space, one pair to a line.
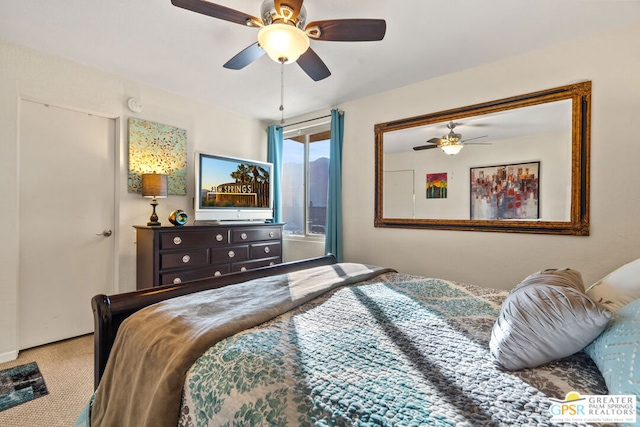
67,199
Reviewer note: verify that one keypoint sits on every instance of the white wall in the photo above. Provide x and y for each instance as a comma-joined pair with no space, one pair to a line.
295,249
26,73
612,62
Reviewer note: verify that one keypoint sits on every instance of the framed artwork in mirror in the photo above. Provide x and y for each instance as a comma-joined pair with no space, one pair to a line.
505,192
437,185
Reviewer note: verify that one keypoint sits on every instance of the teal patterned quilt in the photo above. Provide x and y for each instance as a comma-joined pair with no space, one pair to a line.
396,350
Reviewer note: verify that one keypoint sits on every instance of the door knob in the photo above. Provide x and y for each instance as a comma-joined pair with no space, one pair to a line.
105,233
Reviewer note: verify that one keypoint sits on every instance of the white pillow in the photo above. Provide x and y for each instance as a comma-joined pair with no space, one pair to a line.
618,288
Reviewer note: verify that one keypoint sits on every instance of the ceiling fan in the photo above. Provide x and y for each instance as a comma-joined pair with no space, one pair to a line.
450,143
283,34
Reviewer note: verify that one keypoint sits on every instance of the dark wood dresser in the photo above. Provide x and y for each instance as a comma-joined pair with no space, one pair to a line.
173,255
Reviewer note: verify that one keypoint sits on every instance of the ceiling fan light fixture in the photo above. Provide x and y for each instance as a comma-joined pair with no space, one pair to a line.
451,149
283,43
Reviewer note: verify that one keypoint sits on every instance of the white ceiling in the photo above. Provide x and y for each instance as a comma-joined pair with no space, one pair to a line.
154,42
538,119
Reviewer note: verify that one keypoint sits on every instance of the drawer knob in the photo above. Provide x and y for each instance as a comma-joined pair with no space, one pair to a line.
243,236
217,274
267,250
177,281
231,254
186,259
272,263
243,269
177,240
271,234
219,237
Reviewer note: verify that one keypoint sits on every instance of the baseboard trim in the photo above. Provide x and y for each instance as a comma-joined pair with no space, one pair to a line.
8,356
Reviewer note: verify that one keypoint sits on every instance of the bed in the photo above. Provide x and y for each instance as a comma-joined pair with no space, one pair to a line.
317,343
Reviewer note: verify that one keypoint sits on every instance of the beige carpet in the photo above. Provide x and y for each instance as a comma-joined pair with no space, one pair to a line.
67,368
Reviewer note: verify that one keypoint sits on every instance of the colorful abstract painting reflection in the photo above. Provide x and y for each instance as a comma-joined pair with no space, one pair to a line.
506,192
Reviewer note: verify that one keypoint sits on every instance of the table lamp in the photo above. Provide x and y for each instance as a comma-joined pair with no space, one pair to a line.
154,185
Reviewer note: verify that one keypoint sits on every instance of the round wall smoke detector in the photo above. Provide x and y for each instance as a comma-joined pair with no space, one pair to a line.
134,105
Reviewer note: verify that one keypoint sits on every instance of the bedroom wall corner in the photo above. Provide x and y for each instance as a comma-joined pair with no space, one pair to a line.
501,260
208,129
26,72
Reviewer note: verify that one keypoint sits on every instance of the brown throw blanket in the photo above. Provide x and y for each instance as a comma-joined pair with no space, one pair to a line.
143,380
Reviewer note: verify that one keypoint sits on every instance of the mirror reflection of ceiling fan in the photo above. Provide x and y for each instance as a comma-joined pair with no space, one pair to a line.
283,34
452,142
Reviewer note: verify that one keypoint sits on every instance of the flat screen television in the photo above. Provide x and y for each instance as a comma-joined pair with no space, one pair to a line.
232,189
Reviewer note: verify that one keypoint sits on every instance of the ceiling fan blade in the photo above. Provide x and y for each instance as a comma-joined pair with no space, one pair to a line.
311,64
347,30
291,8
217,11
246,57
477,137
435,141
424,147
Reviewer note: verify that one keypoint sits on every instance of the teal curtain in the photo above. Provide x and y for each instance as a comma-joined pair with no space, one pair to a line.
274,155
333,239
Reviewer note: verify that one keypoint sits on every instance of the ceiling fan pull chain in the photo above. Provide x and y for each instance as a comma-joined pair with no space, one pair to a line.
282,92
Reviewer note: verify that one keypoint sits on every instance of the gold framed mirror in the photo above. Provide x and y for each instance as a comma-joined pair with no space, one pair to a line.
521,165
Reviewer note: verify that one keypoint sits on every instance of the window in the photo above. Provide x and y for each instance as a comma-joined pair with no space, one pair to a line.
305,182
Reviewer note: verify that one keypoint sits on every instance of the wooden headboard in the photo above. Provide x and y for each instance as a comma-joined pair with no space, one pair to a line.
109,311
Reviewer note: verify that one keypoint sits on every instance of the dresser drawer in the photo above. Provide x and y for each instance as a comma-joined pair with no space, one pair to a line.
265,250
182,239
186,259
254,234
229,254
248,265
196,274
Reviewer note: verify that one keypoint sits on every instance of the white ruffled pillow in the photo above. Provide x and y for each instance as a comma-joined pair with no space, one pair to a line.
618,288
